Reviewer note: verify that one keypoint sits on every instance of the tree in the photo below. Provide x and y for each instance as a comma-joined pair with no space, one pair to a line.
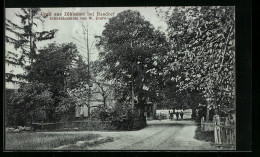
28,101
103,87
82,41
131,48
203,44
61,68
24,38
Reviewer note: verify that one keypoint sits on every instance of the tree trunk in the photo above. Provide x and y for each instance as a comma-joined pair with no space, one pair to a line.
132,86
104,101
207,113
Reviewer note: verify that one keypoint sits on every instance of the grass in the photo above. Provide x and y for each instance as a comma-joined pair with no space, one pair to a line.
43,141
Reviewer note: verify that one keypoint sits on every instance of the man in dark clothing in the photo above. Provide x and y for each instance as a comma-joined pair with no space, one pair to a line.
181,114
171,114
211,114
177,115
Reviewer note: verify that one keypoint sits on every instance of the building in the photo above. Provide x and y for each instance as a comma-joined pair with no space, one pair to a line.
102,95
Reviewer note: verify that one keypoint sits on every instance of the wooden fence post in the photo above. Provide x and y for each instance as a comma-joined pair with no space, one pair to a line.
216,124
226,132
202,123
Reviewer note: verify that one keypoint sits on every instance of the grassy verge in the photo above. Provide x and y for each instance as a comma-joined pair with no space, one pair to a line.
43,141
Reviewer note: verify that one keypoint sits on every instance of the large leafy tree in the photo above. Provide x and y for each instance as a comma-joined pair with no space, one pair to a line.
24,37
202,41
61,68
131,50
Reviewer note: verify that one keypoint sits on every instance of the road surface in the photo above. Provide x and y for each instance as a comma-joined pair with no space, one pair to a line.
158,135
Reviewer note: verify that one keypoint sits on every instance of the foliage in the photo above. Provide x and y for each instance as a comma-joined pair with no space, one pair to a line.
202,45
59,67
9,118
24,38
29,99
121,117
130,47
62,69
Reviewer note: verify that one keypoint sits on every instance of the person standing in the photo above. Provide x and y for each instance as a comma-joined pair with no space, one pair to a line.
171,114
181,114
177,115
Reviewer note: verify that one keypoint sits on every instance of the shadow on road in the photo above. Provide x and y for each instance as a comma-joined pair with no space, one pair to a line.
159,123
167,124
207,136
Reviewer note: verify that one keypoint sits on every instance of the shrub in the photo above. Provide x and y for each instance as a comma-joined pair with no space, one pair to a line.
100,114
24,105
121,117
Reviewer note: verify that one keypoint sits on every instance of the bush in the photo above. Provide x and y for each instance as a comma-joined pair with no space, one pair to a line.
99,113
121,117
24,105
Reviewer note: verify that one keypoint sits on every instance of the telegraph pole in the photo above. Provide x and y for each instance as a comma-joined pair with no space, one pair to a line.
88,77
85,32
132,81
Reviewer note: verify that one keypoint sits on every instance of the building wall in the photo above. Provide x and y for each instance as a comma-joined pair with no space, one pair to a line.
96,100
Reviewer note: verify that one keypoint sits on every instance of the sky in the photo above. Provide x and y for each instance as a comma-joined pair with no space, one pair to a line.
71,30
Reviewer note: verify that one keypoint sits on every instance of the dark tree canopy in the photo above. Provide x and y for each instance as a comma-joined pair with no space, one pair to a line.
131,49
62,70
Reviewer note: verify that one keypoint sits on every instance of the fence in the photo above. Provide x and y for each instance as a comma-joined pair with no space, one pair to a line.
46,126
228,134
206,126
92,125
224,131
72,125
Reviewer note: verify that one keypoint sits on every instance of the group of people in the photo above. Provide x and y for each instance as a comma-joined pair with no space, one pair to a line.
177,115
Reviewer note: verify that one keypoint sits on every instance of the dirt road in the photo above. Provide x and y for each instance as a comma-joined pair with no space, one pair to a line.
158,135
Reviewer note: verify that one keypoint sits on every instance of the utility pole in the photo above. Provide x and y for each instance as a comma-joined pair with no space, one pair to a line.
85,32
88,78
132,81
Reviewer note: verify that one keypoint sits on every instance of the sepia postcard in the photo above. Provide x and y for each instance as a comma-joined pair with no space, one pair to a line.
120,78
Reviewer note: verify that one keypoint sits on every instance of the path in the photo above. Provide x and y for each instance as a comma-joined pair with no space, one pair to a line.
158,135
